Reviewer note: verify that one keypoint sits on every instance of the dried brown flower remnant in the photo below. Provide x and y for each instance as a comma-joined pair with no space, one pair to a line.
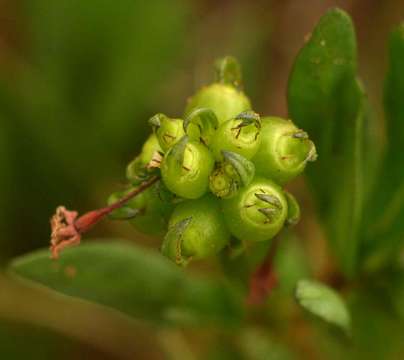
64,232
156,160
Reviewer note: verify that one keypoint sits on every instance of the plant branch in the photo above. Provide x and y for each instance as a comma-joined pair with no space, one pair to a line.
67,228
264,278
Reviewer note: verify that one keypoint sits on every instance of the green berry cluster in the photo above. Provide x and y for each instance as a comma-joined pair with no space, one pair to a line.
221,167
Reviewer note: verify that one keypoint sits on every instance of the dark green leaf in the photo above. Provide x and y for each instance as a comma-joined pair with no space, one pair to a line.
136,281
323,302
385,218
327,101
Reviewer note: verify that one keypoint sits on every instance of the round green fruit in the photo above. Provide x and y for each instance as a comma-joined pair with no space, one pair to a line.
258,211
240,135
225,100
197,230
186,168
284,150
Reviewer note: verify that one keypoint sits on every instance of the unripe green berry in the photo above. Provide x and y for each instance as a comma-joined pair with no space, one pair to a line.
225,100
148,212
258,211
196,230
168,131
284,150
137,171
240,135
186,168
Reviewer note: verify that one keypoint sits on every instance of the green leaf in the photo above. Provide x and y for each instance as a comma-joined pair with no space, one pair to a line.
326,100
138,282
386,226
323,302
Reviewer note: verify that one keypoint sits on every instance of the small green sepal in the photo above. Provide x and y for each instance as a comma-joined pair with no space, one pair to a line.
201,125
168,131
293,210
172,244
228,71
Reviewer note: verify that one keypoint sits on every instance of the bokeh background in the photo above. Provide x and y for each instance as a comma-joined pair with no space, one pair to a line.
78,81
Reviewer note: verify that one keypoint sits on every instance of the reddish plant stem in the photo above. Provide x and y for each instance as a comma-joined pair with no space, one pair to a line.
67,228
264,278
89,219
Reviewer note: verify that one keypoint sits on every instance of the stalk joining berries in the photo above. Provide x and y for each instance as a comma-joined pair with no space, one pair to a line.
222,169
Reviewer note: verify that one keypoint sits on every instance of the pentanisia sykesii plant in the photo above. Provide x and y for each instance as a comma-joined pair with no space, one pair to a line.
211,182
220,172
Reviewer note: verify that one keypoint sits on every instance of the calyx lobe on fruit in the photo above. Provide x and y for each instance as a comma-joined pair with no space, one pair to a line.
168,131
172,244
201,124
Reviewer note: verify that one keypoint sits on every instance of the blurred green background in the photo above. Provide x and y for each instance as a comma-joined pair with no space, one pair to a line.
78,80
